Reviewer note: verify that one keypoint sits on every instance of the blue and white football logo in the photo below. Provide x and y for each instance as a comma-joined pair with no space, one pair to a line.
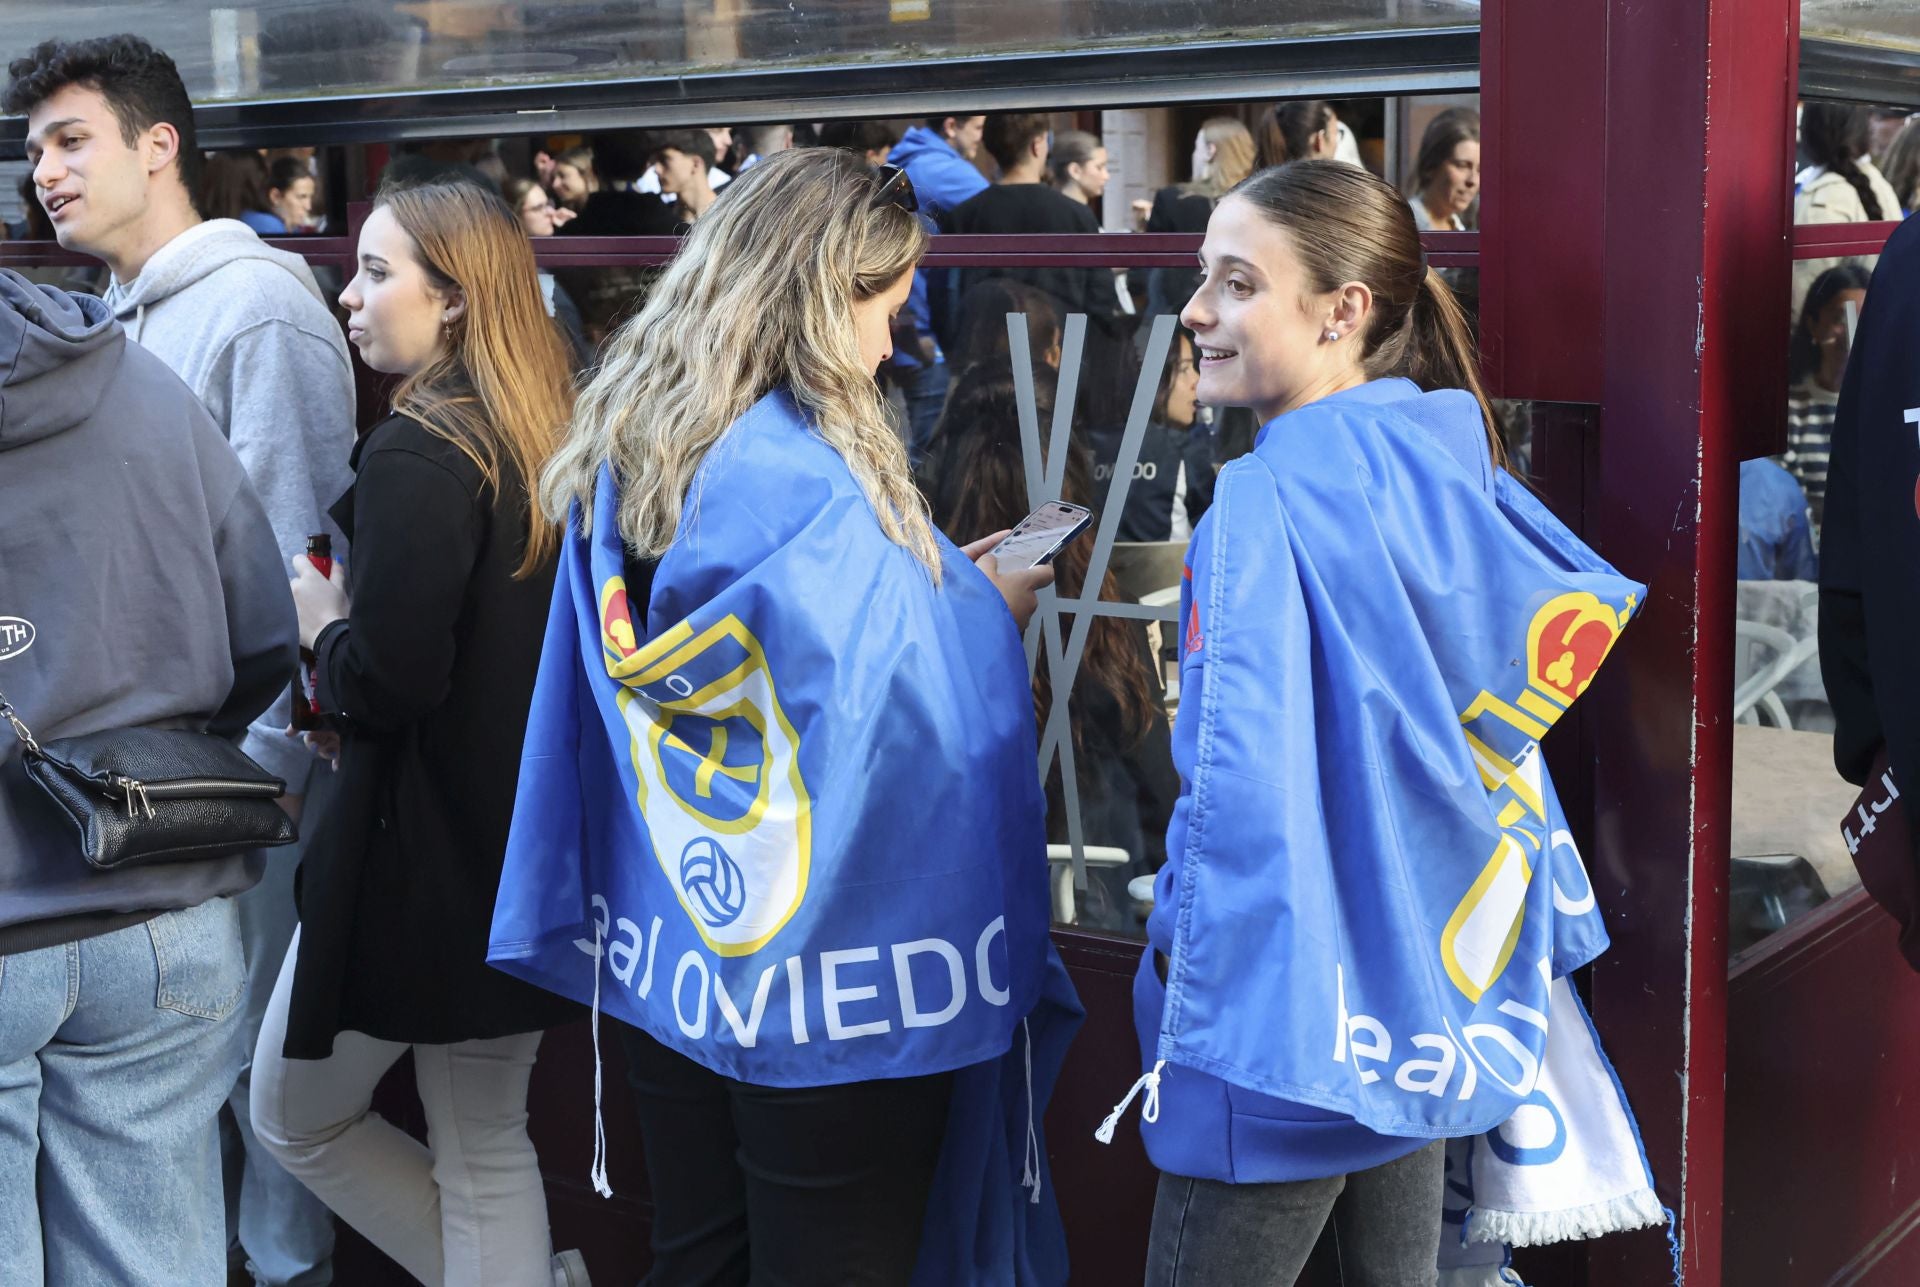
712,882
717,762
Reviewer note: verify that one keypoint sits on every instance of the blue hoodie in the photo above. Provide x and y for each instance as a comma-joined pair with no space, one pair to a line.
1208,1128
941,179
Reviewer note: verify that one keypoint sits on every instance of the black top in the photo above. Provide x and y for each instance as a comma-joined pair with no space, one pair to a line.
1036,208
1870,542
624,214
1165,451
1175,210
430,679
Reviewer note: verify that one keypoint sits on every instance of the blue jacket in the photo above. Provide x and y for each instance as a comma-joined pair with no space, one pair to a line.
1329,917
941,179
1776,534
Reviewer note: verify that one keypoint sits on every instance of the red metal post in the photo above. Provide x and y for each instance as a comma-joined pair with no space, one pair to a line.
1635,252
1699,120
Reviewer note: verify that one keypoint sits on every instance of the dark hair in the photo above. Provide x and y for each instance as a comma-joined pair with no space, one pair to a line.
1445,132
859,136
232,183
141,85
1008,136
938,124
1803,351
1348,226
1182,348
1901,165
1836,136
1070,147
981,336
285,172
1285,129
686,142
976,482
622,155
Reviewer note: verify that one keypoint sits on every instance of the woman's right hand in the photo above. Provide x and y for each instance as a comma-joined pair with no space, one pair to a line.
1020,588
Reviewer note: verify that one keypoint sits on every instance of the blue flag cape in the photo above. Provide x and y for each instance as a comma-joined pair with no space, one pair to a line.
796,813
1376,883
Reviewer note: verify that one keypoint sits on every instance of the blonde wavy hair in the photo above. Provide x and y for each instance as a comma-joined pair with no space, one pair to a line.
761,295
501,386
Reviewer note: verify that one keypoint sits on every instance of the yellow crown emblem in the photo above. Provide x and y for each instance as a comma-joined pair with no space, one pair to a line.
1568,639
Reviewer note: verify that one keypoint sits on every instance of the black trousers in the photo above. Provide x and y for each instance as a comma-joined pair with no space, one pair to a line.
757,1186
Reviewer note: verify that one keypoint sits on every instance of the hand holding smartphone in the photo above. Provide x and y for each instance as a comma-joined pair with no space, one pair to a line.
1041,535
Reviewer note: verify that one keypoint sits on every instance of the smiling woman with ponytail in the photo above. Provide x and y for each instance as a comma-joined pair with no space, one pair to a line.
1365,584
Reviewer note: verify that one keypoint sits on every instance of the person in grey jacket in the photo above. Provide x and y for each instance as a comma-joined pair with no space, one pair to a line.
139,586
245,325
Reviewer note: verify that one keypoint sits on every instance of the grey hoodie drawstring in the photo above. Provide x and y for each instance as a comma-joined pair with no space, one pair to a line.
139,322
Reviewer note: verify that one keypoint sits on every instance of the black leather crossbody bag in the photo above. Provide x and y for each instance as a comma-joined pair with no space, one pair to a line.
140,796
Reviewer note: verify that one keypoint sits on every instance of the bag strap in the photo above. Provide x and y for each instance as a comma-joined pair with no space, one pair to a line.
20,730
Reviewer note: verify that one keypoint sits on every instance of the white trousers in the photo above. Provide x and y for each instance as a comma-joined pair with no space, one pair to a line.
466,1209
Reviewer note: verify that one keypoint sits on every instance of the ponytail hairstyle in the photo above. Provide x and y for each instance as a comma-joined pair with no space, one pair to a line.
1070,148
1348,226
1286,129
1803,351
1836,136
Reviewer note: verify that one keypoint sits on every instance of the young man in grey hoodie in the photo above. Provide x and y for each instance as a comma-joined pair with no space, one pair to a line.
111,137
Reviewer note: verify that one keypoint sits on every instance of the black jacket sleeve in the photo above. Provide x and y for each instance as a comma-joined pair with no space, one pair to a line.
419,522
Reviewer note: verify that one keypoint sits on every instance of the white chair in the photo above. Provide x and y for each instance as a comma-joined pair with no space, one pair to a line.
1756,696
1060,867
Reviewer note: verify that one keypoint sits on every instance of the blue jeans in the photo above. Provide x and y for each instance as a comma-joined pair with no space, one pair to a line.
1386,1221
116,1053
924,388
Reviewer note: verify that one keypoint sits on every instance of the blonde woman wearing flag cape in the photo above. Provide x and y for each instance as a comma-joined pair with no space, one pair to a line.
779,811
1370,895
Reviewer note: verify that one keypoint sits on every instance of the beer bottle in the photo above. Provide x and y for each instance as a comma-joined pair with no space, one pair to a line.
306,689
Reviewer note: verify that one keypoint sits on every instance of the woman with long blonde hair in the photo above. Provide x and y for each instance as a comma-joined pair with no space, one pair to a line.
779,808
425,676
1223,155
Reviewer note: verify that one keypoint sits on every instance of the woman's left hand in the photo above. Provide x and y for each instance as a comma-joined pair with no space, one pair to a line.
563,216
320,600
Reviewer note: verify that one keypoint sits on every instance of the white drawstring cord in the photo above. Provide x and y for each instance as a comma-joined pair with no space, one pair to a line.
598,1172
1149,1111
1030,1161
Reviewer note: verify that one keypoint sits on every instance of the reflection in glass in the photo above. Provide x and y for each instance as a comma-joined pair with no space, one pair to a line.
297,48
1788,856
1891,23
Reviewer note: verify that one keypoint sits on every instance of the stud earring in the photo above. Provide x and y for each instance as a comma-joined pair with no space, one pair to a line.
1332,336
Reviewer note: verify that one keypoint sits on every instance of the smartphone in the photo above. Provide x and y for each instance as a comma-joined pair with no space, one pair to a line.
1041,535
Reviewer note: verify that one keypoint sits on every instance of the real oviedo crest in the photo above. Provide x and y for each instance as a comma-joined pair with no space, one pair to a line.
718,766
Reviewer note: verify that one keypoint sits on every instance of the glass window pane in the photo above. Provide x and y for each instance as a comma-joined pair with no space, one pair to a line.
297,48
1890,23
1788,856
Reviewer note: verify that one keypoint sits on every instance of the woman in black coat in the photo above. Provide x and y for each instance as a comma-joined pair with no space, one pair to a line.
428,674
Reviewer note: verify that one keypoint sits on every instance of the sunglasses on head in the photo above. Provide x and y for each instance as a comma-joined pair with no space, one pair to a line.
892,187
